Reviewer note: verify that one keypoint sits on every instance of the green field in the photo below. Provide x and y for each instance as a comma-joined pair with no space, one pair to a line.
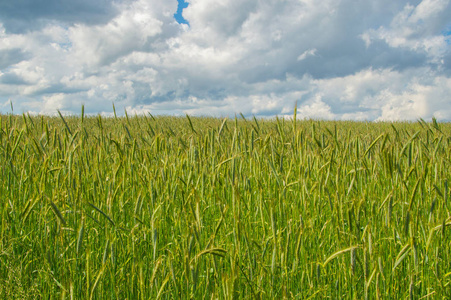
204,208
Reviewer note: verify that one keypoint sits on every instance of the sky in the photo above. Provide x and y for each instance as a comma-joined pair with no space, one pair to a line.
364,60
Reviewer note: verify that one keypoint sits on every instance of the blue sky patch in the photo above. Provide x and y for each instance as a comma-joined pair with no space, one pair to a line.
447,34
178,15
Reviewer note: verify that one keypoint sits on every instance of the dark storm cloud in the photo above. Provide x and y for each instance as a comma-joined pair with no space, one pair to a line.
10,57
12,79
447,64
334,41
339,61
19,16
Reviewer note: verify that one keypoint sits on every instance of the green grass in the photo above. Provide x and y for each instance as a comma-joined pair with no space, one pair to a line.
164,207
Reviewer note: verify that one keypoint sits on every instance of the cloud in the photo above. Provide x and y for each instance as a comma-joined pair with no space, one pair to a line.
316,109
307,53
254,57
10,57
20,16
385,95
101,45
417,28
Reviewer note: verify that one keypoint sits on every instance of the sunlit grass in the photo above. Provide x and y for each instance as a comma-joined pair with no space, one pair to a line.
164,207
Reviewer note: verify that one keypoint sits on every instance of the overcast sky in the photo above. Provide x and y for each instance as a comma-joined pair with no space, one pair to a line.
338,59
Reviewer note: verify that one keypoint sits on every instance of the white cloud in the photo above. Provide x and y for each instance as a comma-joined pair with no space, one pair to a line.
307,53
254,57
316,109
417,28
98,45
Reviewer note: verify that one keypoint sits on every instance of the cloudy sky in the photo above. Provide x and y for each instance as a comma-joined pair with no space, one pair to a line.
338,59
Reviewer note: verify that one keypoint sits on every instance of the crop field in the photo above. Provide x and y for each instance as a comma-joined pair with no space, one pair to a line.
144,207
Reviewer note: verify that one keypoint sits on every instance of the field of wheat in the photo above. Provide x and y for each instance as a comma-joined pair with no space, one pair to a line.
144,207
